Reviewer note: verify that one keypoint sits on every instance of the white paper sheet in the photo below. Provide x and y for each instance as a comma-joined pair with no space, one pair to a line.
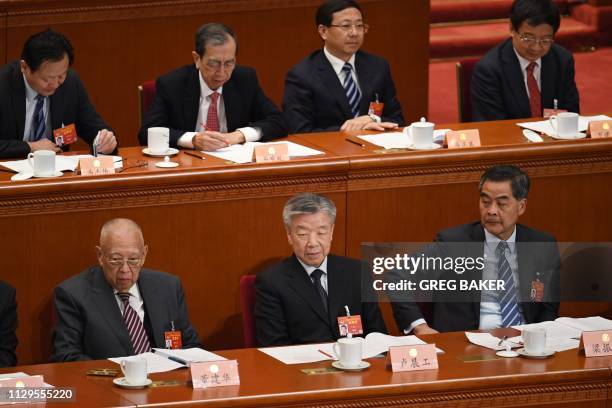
544,126
586,323
373,345
190,355
243,153
155,363
62,163
489,341
398,140
554,329
306,353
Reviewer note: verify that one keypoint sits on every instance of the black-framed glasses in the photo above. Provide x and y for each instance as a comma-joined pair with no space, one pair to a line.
360,28
529,41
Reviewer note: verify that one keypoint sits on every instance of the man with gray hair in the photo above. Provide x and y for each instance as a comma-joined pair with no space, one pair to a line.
300,299
213,103
118,308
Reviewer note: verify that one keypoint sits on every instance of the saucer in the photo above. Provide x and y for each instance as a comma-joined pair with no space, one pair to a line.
170,152
122,382
569,137
56,174
507,353
544,354
361,366
431,146
166,164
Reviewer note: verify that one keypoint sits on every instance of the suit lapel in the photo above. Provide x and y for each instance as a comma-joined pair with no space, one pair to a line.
191,101
548,79
104,299
18,96
330,81
231,97
512,71
304,288
337,285
363,75
477,235
56,102
153,301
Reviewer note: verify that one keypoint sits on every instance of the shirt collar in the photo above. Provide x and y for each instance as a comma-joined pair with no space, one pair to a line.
204,89
524,62
492,241
336,62
310,269
133,291
30,93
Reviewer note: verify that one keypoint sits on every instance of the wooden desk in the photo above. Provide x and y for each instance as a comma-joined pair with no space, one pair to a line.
567,379
210,222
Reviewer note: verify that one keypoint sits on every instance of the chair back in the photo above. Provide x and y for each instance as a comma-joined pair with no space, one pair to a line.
465,67
146,93
247,304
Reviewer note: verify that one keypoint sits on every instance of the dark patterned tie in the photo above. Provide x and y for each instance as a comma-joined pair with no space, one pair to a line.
350,87
535,99
38,120
135,328
212,119
510,313
315,276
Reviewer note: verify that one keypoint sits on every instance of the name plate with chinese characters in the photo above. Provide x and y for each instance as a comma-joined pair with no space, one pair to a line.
215,374
600,128
272,153
413,358
596,343
96,166
463,138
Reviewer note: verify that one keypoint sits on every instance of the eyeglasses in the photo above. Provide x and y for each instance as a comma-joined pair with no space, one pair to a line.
216,65
530,41
347,27
118,262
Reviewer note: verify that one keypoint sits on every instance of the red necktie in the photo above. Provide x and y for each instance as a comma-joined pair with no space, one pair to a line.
535,99
212,120
138,335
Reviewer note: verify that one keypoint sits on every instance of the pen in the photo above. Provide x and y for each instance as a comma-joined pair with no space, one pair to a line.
354,142
177,360
502,340
95,145
348,313
326,354
187,152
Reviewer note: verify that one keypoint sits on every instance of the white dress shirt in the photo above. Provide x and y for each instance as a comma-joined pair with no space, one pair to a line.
30,99
490,313
310,269
536,71
186,140
136,301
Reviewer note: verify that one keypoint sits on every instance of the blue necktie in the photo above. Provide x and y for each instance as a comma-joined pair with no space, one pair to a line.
315,276
350,87
510,313
38,120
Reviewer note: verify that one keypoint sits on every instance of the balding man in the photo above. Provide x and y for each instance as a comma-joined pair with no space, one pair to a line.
118,308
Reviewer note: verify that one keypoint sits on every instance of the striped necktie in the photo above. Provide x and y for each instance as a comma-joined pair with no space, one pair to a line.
138,335
38,120
350,87
510,313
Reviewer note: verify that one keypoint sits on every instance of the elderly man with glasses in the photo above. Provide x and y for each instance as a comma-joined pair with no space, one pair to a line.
119,308
341,87
527,73
214,102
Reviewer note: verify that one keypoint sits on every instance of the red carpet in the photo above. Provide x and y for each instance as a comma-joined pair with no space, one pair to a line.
592,77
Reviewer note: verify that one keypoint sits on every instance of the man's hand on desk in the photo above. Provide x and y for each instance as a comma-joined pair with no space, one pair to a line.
107,142
44,144
365,122
211,141
423,329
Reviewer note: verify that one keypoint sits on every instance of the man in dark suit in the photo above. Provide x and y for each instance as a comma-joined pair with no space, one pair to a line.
333,88
525,259
214,103
118,309
8,325
40,93
299,300
528,72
